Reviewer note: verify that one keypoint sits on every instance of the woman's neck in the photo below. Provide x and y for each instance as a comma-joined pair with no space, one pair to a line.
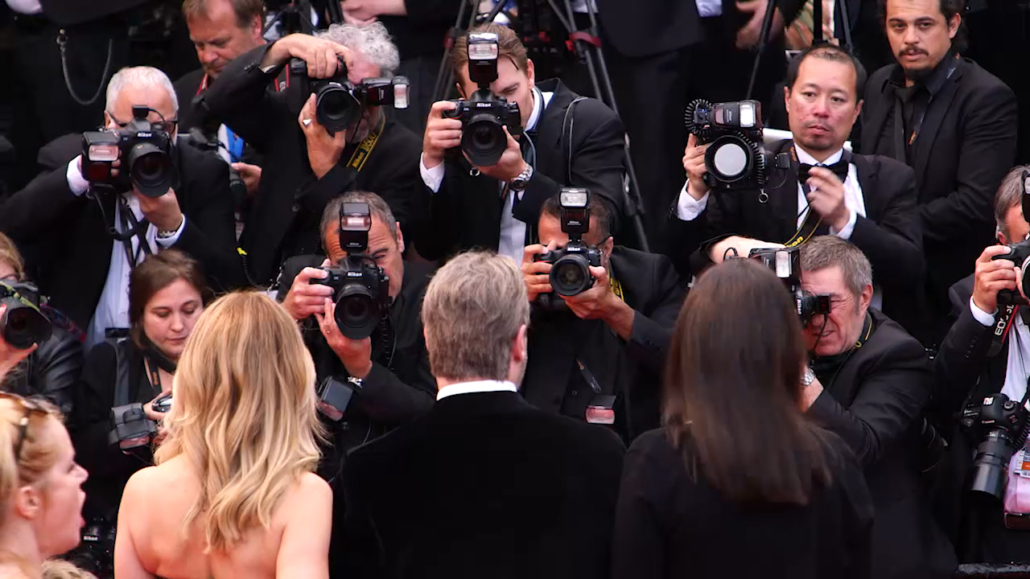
19,551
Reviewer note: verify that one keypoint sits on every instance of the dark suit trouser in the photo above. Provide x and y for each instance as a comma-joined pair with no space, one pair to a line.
653,91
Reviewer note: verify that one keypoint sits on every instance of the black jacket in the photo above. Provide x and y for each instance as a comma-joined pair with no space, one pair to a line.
74,12
630,370
423,31
888,234
284,220
874,400
69,247
52,371
966,145
503,490
466,211
191,116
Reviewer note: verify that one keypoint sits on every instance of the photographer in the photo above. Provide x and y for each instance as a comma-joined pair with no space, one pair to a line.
868,200
305,165
986,353
83,238
869,382
489,192
603,347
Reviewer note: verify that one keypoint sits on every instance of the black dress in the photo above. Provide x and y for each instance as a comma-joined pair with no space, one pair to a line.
670,525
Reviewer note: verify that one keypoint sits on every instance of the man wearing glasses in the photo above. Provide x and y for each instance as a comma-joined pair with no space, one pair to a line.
82,239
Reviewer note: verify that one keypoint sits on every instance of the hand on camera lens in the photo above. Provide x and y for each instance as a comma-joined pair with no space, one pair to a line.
320,54
304,298
356,355
251,175
694,165
827,197
992,276
324,150
163,212
509,165
9,355
596,302
441,134
536,273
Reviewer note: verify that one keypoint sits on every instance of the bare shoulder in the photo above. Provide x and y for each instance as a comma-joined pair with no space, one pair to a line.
307,497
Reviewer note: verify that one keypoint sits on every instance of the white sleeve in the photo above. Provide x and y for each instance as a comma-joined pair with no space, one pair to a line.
849,228
981,316
76,182
688,208
431,177
166,242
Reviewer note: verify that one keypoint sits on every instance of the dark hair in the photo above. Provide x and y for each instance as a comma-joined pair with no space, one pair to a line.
732,395
832,53
245,10
948,8
598,210
508,46
157,272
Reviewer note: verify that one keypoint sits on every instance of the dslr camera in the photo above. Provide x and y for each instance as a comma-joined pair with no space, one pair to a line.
338,102
570,273
145,151
484,115
1019,254
786,264
95,552
23,324
1000,425
132,428
362,288
736,158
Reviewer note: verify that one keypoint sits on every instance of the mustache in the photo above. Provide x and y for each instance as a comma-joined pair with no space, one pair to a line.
912,51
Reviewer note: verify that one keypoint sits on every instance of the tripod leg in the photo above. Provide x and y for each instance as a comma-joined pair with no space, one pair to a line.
763,39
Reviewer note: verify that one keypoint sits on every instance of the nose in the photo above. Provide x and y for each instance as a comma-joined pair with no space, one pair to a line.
910,36
177,323
207,55
821,107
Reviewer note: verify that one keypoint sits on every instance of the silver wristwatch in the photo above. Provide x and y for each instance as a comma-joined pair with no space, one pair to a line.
808,378
521,181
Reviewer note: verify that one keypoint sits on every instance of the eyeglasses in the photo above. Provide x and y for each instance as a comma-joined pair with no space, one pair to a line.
30,406
164,126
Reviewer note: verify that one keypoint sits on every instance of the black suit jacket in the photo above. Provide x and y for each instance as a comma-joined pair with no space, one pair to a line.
466,211
503,490
67,235
966,145
73,12
874,401
630,369
284,219
186,89
888,234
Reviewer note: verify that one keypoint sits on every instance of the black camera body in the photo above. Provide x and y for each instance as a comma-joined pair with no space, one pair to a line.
334,397
23,324
95,552
132,428
1019,254
786,264
362,288
570,273
163,404
736,159
485,115
339,102
1000,425
145,152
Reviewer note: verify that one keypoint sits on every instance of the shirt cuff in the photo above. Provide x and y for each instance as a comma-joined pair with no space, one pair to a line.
848,229
171,240
688,208
981,316
76,182
431,177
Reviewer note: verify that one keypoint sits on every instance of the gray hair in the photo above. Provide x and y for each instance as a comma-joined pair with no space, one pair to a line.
828,251
371,40
1009,194
145,76
376,206
471,313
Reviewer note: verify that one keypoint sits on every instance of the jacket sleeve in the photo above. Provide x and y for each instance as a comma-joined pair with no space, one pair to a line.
893,244
93,411
687,242
961,357
423,13
988,148
57,365
41,208
652,327
639,539
242,101
437,234
388,400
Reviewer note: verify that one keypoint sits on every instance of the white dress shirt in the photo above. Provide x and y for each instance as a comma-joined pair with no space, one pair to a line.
113,308
1019,352
475,387
25,6
706,8
513,232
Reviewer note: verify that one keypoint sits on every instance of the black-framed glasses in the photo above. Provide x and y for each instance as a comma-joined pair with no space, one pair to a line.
30,406
166,126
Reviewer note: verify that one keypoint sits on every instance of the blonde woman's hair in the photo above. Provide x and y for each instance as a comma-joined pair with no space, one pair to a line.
10,255
58,569
244,414
38,452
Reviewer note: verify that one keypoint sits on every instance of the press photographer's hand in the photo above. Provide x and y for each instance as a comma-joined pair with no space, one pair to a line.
356,355
827,197
251,175
992,276
441,134
536,273
324,150
148,408
163,211
305,298
321,55
601,303
694,165
509,165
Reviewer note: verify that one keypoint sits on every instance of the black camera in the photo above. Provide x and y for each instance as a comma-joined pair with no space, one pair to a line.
338,102
163,404
570,273
786,264
132,428
23,324
95,552
362,288
736,158
484,115
334,397
1001,426
145,150
1019,254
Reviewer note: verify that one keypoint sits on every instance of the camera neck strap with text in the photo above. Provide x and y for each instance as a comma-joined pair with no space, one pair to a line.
813,220
357,160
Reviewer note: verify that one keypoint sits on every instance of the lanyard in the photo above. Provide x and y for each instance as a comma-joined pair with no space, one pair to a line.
135,229
812,219
357,160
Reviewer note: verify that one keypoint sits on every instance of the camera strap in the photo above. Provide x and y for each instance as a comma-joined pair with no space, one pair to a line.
1000,331
810,226
132,229
357,160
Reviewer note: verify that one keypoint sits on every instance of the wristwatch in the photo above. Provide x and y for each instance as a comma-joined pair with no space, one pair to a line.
357,383
521,181
808,378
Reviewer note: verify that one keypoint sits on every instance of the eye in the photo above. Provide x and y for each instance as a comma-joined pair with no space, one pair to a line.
162,314
837,100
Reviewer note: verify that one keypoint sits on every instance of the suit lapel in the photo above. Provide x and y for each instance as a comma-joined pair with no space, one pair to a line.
868,181
877,116
935,114
783,197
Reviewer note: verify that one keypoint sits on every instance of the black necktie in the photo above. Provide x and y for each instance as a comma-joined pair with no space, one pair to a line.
840,169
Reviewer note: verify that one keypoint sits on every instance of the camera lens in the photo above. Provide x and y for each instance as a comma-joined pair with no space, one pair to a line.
357,312
23,326
150,169
336,108
570,275
483,140
990,468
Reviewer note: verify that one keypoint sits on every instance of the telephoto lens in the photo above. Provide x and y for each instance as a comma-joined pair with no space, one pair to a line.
23,324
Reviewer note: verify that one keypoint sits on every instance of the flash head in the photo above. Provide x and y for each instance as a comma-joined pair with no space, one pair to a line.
575,212
482,56
355,223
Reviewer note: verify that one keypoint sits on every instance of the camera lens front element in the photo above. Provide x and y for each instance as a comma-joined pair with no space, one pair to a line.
570,275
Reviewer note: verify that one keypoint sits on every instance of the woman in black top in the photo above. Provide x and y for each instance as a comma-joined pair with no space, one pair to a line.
738,483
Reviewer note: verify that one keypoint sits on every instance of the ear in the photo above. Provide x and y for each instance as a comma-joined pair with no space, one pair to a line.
107,119
1001,238
256,27
28,502
607,246
786,98
531,73
953,25
858,111
461,89
520,348
400,238
866,298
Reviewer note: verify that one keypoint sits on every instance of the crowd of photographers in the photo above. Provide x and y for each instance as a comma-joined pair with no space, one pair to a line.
312,164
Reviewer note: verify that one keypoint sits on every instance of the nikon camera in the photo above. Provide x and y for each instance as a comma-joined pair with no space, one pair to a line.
786,264
23,324
570,273
484,115
145,151
736,159
1019,254
338,102
362,288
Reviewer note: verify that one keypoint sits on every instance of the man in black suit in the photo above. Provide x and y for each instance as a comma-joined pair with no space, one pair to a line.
955,125
485,484
868,383
603,348
569,141
867,200
305,165
66,225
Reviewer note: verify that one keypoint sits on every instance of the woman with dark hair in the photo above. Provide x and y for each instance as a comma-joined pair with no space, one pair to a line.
165,299
739,482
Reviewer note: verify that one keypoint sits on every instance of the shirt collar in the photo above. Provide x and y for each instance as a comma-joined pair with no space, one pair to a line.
804,157
475,387
538,106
